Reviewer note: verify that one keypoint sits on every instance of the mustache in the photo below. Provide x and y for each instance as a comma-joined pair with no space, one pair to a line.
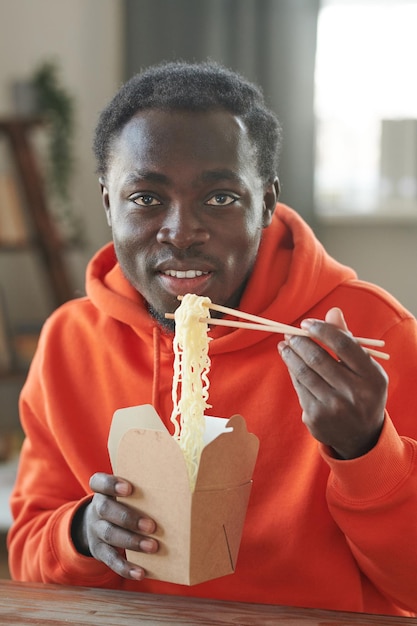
182,255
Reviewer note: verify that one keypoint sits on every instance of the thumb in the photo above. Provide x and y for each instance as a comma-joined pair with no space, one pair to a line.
335,316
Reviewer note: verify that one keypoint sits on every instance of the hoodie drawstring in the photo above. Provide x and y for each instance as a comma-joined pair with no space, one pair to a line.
156,367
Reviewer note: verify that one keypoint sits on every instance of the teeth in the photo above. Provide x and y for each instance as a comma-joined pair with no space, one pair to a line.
186,274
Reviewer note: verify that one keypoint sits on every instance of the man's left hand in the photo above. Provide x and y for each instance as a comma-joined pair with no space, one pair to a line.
343,394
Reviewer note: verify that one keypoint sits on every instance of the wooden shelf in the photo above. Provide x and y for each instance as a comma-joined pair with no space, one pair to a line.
42,238
49,242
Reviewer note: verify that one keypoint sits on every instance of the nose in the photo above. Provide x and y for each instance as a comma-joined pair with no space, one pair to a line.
183,226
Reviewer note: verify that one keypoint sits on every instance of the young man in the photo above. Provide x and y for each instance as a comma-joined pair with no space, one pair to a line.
188,159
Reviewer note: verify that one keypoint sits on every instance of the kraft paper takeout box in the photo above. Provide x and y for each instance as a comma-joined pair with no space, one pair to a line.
199,532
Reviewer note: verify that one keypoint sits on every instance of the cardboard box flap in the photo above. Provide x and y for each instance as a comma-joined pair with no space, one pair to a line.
229,460
132,417
152,459
141,447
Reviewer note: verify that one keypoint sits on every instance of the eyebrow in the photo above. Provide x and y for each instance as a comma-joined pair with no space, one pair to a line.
146,175
221,174
209,176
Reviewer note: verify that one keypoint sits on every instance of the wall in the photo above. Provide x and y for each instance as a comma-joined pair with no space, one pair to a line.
85,38
383,251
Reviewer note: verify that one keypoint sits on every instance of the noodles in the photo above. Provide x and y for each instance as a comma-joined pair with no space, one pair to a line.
191,367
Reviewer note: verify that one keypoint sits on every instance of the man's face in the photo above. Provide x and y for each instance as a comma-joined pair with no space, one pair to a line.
186,205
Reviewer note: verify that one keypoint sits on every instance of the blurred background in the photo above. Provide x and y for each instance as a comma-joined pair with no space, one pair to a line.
339,75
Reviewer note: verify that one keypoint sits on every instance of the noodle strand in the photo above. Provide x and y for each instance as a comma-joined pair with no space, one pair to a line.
190,380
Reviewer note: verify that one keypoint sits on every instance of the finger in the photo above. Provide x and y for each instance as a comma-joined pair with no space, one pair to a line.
121,538
122,515
316,369
310,377
116,562
305,396
335,316
314,396
341,343
110,485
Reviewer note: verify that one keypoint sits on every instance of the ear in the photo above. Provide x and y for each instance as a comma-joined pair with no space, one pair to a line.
271,195
105,199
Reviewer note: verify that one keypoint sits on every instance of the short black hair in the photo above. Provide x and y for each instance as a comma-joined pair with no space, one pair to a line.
192,87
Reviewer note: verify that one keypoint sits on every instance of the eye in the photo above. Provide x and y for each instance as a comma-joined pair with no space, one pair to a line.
221,199
145,199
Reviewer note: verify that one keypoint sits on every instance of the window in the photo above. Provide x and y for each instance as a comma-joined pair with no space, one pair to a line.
366,108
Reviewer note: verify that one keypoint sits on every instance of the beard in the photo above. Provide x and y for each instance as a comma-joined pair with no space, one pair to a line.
167,325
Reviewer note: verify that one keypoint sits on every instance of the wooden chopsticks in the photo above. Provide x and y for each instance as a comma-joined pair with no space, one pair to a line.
255,322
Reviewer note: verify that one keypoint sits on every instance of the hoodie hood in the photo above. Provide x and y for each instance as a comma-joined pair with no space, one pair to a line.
292,274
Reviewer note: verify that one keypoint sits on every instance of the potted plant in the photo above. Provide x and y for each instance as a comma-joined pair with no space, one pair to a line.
56,105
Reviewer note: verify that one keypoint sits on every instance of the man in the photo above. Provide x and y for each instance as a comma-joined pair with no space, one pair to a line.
188,159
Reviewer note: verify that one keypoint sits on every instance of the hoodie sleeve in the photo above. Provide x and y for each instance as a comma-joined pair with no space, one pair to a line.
42,526
62,443
373,499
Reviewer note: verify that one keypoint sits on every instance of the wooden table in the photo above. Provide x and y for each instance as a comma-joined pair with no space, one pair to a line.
31,603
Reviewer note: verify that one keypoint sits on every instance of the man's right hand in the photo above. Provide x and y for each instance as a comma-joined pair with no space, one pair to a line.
104,528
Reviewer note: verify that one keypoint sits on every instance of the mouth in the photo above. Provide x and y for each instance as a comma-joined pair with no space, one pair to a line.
185,273
180,282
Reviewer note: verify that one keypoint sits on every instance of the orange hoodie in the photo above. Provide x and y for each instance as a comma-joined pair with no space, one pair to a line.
319,532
